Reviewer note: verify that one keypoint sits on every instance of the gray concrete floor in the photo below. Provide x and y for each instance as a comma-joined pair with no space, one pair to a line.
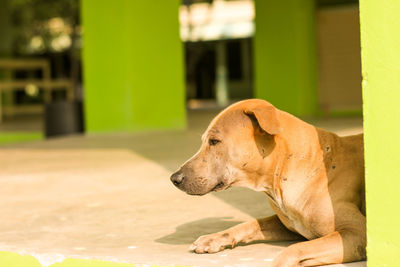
109,197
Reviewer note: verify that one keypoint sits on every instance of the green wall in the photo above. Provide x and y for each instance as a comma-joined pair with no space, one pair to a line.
380,46
133,65
285,55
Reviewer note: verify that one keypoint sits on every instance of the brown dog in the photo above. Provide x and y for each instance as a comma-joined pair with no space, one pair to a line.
314,180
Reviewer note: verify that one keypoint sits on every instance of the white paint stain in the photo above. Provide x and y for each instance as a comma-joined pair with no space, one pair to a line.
47,259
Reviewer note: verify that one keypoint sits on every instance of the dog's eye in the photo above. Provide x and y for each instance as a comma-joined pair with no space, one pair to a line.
213,142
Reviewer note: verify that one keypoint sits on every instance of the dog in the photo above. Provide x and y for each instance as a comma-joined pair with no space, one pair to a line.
313,178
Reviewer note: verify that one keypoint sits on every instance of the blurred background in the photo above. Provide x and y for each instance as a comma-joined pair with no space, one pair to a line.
72,66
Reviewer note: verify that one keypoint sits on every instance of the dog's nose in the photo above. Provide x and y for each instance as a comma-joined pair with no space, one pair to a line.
177,178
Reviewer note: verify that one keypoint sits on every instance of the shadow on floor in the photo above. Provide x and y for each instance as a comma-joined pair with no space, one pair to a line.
247,201
187,233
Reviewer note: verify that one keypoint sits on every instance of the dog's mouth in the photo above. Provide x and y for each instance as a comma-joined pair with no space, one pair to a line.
220,186
200,191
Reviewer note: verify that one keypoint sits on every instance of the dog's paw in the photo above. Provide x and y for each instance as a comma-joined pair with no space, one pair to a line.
212,243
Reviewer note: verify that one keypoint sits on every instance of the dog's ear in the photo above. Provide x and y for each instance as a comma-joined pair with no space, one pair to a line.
266,117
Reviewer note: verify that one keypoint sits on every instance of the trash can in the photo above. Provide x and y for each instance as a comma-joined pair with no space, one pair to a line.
63,118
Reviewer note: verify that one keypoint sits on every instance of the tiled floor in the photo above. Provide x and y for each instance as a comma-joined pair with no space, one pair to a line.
109,197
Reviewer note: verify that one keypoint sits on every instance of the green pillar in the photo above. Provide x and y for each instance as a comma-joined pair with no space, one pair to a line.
285,54
380,46
133,65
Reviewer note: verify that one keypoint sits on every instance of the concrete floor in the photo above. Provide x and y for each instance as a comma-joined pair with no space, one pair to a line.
109,197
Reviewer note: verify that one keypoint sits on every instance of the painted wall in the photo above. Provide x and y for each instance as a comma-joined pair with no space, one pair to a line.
380,46
133,65
285,55
339,59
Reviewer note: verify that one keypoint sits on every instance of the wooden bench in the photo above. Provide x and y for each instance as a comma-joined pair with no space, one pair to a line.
45,83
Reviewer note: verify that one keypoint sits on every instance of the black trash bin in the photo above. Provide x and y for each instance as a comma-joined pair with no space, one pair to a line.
63,118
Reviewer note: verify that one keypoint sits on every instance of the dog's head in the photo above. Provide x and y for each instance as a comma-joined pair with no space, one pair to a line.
233,149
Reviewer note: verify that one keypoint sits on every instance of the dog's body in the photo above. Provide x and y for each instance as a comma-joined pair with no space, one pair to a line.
314,180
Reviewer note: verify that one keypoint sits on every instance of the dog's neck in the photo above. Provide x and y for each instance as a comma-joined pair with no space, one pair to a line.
266,177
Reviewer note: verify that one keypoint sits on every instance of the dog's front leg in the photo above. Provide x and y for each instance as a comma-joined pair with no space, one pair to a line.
268,229
337,247
346,244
